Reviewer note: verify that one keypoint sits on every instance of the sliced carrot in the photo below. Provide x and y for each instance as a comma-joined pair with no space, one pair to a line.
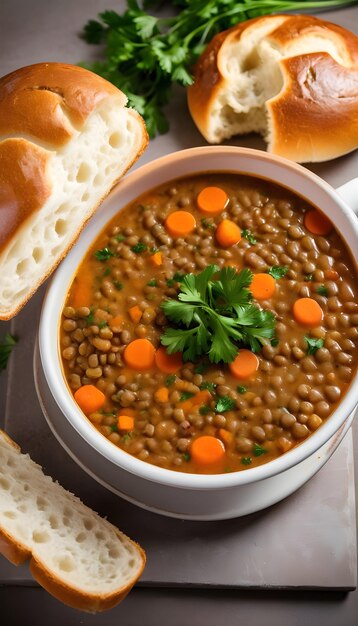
156,259
125,422
244,365
263,286
139,354
89,398
227,233
168,363
135,313
225,435
331,275
207,450
307,312
116,321
180,223
317,223
212,200
162,394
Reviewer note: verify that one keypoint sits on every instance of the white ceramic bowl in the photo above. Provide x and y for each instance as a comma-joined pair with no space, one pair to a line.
174,493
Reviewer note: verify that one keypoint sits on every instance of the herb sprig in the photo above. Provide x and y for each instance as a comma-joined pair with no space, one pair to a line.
145,54
6,346
215,315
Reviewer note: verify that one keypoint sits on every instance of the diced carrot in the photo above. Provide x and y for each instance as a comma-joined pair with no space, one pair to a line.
307,312
225,435
227,233
331,275
263,286
207,450
139,354
156,258
180,223
212,200
244,365
317,223
202,397
125,422
116,321
135,313
168,363
89,398
162,394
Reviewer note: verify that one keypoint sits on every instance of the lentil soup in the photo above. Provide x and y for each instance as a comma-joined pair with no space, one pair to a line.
272,388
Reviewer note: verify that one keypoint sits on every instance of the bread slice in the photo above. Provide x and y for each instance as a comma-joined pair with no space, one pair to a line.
76,555
291,78
66,138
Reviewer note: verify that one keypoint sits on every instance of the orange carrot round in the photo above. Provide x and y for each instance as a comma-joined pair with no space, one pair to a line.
212,200
263,286
168,363
317,223
89,399
207,450
139,354
244,365
180,223
307,312
227,233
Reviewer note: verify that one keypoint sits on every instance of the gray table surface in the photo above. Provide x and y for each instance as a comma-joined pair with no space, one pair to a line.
47,30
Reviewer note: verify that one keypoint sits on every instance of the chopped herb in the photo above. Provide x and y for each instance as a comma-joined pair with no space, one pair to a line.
224,404
104,254
208,385
207,224
102,324
215,316
114,428
120,237
128,436
106,272
107,413
308,277
185,396
249,236
153,250
139,247
201,368
204,410
241,389
176,278
118,285
6,346
322,290
313,344
278,271
152,283
90,318
186,457
170,380
246,460
274,342
258,450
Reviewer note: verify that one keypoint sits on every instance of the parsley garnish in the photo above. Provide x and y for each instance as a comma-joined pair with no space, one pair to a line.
322,290
114,428
186,457
224,404
120,237
241,389
102,324
258,450
6,346
249,236
176,278
106,272
185,396
277,271
153,250
90,318
201,368
313,344
118,285
152,283
246,460
104,254
204,410
206,223
274,342
308,277
208,385
215,316
170,380
139,247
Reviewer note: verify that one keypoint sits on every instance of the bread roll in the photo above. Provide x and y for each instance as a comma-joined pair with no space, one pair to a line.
76,555
66,139
292,78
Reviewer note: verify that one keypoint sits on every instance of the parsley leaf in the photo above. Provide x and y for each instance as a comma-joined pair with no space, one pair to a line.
278,271
118,285
322,290
170,380
313,344
249,236
185,396
139,247
246,460
258,450
204,410
201,368
308,278
104,254
152,283
208,385
186,457
6,346
207,224
120,237
90,318
224,404
241,389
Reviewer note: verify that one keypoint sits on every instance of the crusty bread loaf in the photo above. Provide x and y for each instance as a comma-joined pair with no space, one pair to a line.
79,557
65,140
292,78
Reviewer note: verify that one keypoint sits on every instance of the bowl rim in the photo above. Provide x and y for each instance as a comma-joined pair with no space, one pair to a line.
58,288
